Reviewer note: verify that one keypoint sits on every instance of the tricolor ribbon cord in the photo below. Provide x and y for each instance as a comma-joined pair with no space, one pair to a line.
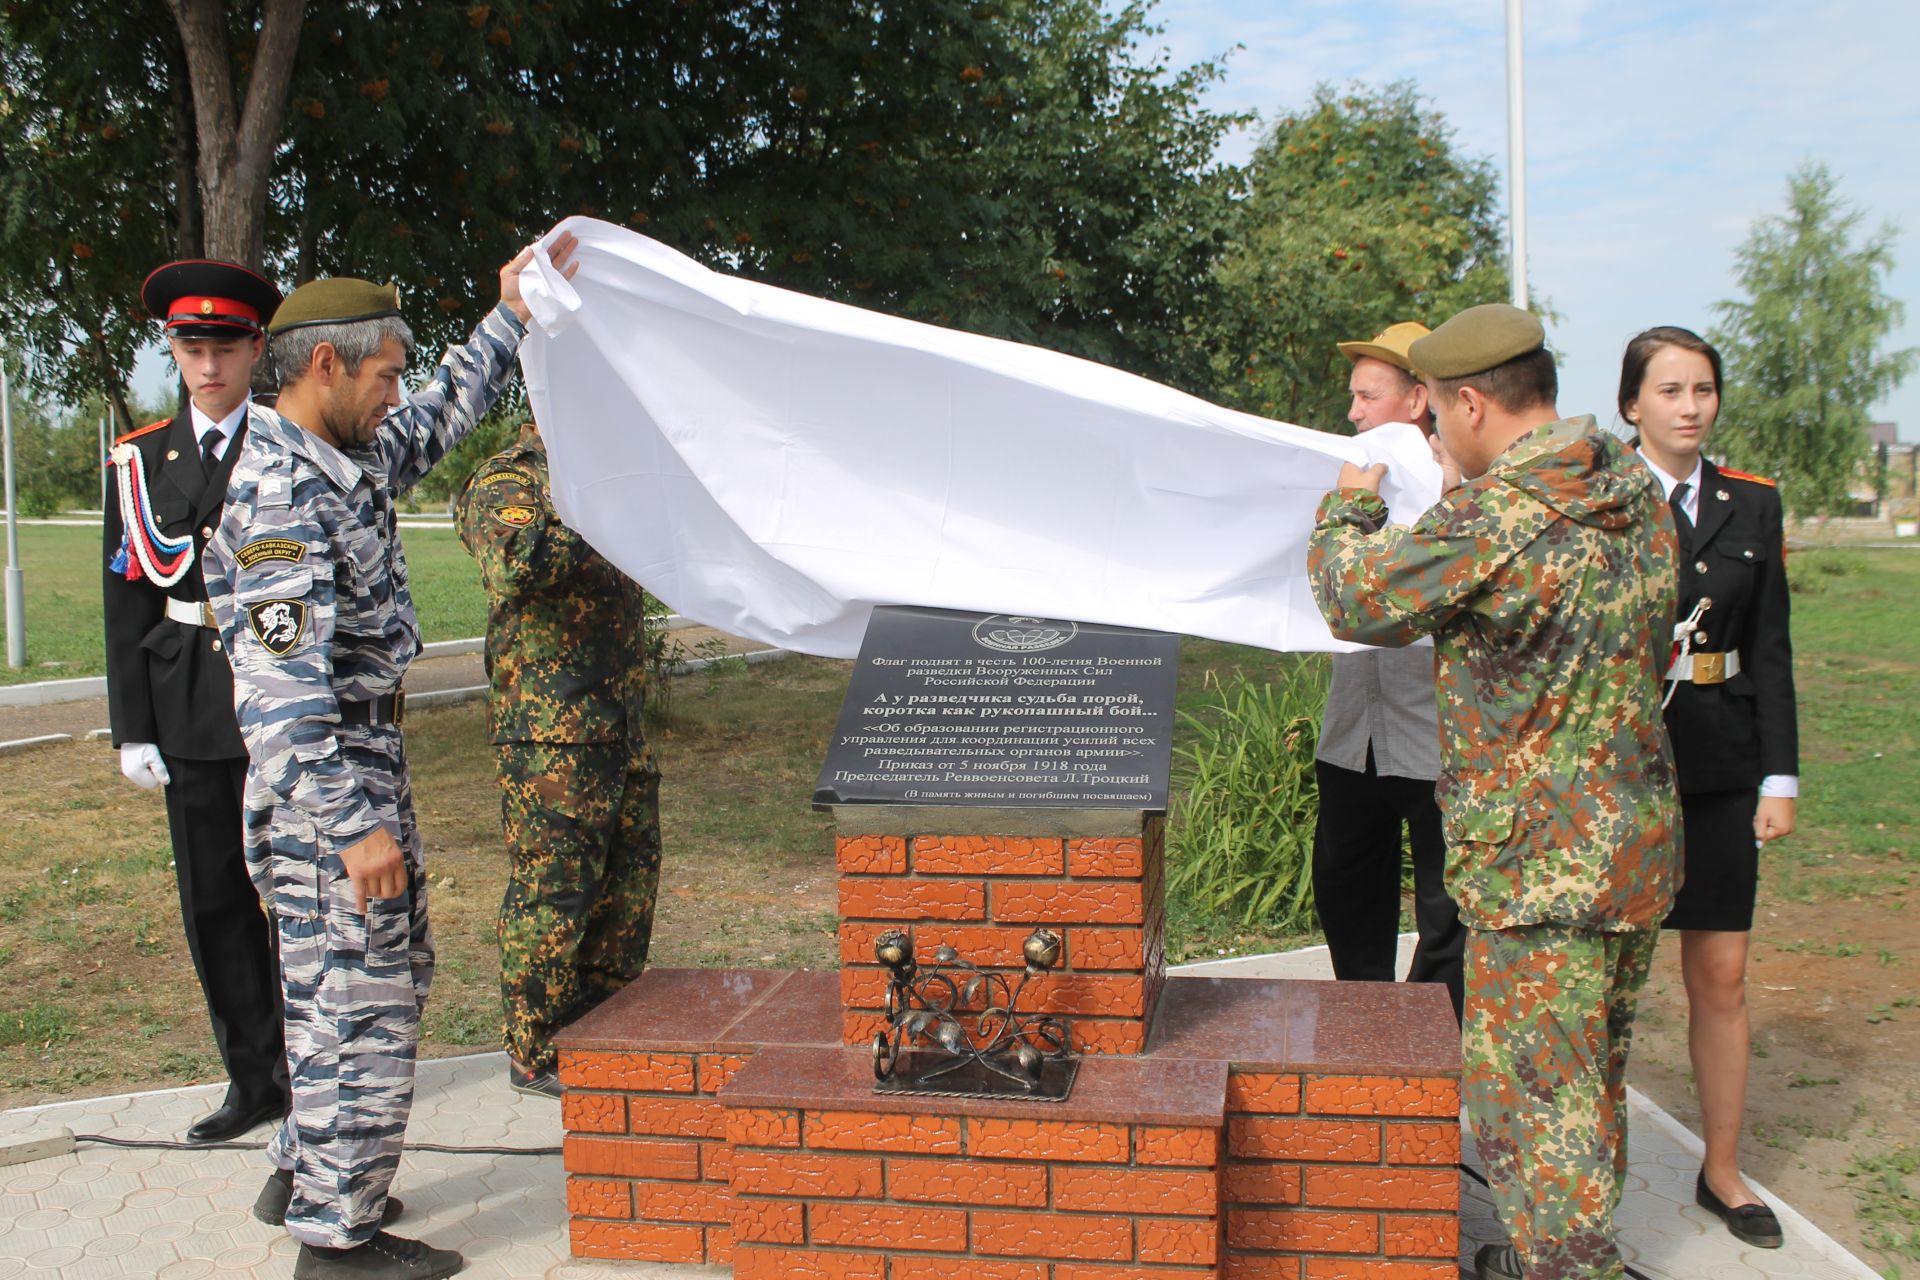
153,555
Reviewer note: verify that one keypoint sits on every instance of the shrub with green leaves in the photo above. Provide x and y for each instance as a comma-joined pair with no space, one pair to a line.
1242,831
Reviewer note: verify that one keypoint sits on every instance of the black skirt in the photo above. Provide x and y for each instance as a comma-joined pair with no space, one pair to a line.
1721,862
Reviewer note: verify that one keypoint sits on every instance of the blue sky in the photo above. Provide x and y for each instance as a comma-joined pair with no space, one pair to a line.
1657,132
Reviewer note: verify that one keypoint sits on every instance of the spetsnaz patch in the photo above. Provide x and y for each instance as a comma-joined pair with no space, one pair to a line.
507,477
517,516
278,624
261,549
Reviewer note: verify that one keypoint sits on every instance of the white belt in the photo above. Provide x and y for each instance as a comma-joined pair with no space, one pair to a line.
195,613
1705,668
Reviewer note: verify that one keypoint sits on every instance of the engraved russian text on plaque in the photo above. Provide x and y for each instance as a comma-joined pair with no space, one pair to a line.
952,708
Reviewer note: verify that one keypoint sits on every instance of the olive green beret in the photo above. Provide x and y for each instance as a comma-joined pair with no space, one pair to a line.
340,300
1478,339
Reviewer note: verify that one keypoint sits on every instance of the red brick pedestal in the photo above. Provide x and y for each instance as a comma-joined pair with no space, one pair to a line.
1238,1128
830,1179
647,1154
1342,1124
983,894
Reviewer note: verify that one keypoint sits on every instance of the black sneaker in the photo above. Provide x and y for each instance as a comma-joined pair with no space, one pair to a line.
384,1257
541,1084
270,1206
1498,1262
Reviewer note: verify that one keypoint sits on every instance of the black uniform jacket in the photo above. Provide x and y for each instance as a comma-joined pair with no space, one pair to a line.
1731,735
169,683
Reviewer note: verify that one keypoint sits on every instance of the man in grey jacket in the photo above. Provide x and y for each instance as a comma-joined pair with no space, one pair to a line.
1379,754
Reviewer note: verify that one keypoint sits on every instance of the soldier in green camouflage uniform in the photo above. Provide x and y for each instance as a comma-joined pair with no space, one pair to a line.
580,794
1547,580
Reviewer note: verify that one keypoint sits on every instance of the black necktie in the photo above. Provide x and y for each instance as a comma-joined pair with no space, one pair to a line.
1677,500
209,444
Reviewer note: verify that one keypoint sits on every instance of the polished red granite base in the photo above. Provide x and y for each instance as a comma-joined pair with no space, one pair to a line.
1297,1129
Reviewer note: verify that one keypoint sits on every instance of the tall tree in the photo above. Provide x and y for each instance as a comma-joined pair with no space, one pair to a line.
152,130
96,148
1362,213
1803,352
236,134
1011,166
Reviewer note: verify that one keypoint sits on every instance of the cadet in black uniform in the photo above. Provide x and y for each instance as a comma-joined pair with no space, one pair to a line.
1732,722
169,688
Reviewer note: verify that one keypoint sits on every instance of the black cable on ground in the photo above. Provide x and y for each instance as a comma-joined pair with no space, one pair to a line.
437,1148
1481,1178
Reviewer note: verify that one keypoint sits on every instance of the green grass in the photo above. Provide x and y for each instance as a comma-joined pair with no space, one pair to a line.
61,570
1856,634
1889,1202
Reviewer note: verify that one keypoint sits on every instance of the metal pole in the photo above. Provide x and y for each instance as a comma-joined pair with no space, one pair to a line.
1516,156
103,462
16,592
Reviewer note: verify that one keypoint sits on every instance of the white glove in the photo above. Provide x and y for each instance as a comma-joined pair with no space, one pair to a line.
141,762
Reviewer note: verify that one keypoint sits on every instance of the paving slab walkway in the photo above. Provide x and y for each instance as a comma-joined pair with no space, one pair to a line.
178,1215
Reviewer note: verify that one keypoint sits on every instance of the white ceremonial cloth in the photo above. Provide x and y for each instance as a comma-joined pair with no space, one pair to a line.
774,465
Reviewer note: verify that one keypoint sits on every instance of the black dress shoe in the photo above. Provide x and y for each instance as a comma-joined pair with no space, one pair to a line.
1753,1223
234,1119
270,1206
541,1084
1498,1262
384,1257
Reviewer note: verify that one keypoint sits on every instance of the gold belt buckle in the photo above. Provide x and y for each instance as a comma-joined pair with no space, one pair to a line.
1709,668
207,618
399,707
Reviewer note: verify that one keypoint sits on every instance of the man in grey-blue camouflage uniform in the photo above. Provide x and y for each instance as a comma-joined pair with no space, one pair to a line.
308,583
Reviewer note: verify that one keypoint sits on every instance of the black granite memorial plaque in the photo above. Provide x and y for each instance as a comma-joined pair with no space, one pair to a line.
951,708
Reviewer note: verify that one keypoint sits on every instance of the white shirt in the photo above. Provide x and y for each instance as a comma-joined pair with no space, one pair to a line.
1785,786
227,427
1691,503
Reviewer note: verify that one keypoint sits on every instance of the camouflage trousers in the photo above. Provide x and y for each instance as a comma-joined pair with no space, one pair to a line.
582,824
1549,1021
353,987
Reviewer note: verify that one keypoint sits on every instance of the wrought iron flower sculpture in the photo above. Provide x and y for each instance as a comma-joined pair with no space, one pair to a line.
928,1014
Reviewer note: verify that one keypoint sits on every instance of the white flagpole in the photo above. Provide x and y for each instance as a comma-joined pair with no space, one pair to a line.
16,591
1516,156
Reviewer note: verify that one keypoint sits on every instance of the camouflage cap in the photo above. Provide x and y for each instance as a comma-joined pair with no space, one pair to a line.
1390,344
339,300
1478,339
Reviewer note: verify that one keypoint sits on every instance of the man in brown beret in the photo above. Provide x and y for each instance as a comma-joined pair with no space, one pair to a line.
1379,753
1547,579
308,582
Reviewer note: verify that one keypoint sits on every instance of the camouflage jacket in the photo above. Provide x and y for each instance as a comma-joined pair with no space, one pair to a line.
566,630
308,583
1549,586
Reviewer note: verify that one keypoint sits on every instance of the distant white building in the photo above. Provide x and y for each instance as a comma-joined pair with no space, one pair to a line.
1890,475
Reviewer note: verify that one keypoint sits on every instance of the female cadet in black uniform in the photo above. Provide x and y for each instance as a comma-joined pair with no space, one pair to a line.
1731,720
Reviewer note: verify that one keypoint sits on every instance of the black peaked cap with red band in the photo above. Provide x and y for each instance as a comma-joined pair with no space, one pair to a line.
202,298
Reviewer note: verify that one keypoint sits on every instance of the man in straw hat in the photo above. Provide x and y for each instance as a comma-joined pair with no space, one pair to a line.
1379,753
169,688
309,584
1547,580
